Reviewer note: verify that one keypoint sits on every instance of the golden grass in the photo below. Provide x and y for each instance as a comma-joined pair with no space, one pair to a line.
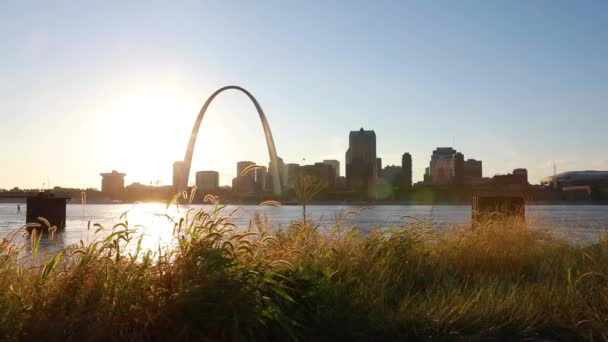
220,282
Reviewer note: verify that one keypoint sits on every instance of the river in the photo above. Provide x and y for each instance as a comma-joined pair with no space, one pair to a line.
577,222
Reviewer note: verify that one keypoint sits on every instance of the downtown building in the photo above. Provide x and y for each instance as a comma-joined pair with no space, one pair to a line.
113,184
406,169
208,180
446,167
361,161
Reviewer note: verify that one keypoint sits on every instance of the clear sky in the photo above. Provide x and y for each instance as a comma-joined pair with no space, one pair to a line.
91,86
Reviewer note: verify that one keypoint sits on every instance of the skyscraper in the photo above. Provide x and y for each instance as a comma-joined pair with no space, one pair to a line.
472,171
244,182
333,163
242,166
406,168
261,175
179,176
207,180
361,167
446,166
457,168
282,170
293,171
113,184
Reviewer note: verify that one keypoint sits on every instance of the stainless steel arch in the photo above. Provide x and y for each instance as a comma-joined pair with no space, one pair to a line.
269,141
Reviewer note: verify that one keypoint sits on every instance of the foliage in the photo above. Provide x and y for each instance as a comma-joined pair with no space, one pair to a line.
221,282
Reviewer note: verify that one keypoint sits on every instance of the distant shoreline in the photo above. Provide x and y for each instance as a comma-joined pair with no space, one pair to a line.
325,203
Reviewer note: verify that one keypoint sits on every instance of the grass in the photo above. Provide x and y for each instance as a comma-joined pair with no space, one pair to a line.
499,281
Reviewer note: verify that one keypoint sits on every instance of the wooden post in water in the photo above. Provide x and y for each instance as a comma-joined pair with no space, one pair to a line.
48,205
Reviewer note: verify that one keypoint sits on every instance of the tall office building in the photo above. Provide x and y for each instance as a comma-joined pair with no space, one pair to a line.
179,176
282,171
333,163
261,176
245,178
113,184
324,173
207,180
457,168
406,167
242,166
522,174
293,171
361,165
473,172
446,166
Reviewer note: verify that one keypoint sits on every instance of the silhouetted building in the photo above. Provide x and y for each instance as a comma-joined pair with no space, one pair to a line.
427,175
446,166
517,179
457,168
522,173
441,165
207,180
406,167
392,175
261,177
179,176
293,171
576,178
113,184
472,171
323,172
149,193
282,171
333,163
245,177
361,165
379,167
242,167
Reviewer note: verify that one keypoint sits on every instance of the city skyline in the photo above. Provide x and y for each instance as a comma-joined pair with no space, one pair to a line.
511,84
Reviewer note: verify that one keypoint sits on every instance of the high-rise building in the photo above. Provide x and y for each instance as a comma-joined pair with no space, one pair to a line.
333,163
361,165
207,180
522,173
293,170
282,170
427,175
245,177
457,168
113,184
243,171
392,175
179,176
261,176
472,171
406,167
446,166
379,167
323,172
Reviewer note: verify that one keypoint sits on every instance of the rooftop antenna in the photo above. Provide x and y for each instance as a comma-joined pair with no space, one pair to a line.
554,169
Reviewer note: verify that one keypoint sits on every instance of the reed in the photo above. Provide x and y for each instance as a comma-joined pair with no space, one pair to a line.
222,282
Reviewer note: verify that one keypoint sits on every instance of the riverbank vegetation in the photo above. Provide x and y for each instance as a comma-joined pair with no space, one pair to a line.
221,282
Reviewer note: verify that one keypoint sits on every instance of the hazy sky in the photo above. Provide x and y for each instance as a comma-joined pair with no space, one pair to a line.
91,86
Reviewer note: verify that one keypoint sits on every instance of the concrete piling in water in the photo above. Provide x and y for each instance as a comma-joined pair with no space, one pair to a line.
497,206
48,205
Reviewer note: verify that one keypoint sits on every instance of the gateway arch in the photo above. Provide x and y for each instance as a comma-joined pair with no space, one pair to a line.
181,170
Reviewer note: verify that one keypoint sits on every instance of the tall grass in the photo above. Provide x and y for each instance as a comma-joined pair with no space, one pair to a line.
221,282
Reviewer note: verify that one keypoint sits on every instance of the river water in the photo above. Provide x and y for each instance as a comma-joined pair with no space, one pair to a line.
583,223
